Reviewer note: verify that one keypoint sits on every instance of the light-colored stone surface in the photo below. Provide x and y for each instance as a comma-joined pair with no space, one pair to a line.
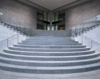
92,35
82,12
18,13
49,64
51,33
86,75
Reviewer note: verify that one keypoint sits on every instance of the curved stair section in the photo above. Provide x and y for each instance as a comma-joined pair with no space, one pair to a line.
55,55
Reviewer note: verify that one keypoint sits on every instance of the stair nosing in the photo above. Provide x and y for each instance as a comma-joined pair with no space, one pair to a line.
47,48
49,68
37,61
50,52
50,56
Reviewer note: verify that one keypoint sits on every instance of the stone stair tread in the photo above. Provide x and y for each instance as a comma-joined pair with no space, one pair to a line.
37,61
51,76
49,68
48,56
44,44
47,52
47,48
50,45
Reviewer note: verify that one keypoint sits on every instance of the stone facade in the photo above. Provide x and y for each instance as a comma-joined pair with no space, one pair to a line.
18,13
82,12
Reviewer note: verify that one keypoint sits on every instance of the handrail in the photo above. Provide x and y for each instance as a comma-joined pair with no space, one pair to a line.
91,39
8,38
80,30
18,28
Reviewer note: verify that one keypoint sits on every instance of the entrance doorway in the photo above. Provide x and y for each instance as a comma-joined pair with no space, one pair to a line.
44,19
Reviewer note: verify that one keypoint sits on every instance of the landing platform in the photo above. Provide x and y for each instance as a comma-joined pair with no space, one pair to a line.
51,33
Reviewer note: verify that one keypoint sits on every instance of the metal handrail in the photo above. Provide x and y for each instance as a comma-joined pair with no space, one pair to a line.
91,39
78,31
81,29
24,29
8,38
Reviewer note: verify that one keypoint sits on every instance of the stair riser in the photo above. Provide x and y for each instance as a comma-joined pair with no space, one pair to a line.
47,44
49,54
61,71
49,64
50,46
49,50
50,43
50,59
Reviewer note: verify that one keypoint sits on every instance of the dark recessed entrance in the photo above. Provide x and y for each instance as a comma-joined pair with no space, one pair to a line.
44,19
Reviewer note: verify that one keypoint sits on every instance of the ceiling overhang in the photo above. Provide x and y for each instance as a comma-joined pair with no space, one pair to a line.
70,5
34,5
52,4
56,8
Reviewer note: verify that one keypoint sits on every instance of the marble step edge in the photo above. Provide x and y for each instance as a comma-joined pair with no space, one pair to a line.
52,45
50,68
8,54
38,46
48,52
50,48
37,61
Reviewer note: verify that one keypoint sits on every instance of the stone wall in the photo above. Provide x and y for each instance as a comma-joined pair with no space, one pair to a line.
18,13
82,12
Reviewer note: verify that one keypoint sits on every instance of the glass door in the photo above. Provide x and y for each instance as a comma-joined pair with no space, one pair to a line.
44,18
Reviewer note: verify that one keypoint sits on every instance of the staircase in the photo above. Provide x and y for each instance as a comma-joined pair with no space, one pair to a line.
49,57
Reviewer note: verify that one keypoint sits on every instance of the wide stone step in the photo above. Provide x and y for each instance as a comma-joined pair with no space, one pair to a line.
66,41
35,63
49,70
49,53
49,43
50,46
46,41
49,38
49,49
49,58
41,43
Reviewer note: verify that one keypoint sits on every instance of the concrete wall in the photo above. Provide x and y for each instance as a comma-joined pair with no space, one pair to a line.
82,12
18,13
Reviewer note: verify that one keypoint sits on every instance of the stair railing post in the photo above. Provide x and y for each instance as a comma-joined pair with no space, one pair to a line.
75,30
91,43
29,32
82,32
17,38
82,38
7,42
